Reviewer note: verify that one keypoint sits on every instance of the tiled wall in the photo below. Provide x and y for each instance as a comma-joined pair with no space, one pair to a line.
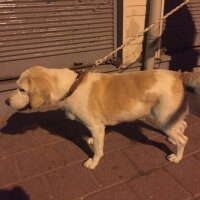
133,23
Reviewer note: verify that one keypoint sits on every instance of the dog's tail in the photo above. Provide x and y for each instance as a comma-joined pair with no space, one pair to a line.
191,80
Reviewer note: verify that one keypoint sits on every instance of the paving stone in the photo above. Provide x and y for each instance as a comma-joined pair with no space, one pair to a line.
32,189
149,155
114,167
124,129
10,144
197,156
8,171
41,136
120,192
187,172
71,182
19,123
50,116
192,119
193,100
115,141
72,129
38,161
5,111
149,131
35,189
158,185
194,139
70,152
135,131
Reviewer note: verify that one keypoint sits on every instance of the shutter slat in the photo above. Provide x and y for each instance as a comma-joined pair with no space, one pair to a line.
46,25
9,50
58,51
30,30
58,38
53,34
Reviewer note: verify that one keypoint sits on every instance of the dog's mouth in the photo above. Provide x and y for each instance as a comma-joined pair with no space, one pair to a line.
25,108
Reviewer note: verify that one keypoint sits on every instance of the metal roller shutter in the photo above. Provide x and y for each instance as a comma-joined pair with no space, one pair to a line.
181,31
54,33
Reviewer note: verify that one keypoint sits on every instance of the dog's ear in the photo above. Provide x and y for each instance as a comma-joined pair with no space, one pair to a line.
36,101
39,91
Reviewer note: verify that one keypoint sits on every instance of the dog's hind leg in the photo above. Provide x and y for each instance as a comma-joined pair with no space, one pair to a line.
170,113
176,134
98,132
182,128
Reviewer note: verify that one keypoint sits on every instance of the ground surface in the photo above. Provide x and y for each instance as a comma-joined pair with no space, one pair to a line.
41,156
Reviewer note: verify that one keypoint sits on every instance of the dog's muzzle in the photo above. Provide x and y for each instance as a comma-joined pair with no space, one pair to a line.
26,107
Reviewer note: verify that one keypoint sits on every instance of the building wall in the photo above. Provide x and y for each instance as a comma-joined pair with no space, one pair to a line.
133,22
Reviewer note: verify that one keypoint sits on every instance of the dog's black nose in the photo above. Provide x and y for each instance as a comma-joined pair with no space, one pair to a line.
7,102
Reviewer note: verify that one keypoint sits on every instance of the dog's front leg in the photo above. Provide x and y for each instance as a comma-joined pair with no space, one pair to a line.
98,133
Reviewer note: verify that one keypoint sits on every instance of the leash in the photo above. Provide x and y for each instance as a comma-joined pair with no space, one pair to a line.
105,58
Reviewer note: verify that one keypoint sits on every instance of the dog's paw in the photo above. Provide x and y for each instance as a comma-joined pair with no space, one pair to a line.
90,140
171,140
90,164
173,158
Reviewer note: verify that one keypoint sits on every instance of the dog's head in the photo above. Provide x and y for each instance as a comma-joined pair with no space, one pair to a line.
34,88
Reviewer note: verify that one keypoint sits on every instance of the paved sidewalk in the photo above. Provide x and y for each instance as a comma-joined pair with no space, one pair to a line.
41,156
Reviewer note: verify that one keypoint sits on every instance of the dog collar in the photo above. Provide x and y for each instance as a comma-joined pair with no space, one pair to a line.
75,85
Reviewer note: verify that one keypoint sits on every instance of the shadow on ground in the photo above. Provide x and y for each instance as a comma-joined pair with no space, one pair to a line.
55,123
180,37
16,193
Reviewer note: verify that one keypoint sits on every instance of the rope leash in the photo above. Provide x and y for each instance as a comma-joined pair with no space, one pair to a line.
101,61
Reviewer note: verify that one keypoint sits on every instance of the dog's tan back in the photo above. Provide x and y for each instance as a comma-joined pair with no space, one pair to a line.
111,99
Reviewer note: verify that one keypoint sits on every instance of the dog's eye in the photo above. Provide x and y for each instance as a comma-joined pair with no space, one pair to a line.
22,90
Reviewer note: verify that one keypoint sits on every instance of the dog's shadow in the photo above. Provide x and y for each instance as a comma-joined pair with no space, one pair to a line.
54,121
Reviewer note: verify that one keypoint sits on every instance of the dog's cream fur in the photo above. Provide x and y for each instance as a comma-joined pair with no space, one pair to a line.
108,99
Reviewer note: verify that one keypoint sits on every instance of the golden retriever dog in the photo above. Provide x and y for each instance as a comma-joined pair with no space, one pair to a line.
108,99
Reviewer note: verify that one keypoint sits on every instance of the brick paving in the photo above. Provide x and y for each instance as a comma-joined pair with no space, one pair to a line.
41,156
